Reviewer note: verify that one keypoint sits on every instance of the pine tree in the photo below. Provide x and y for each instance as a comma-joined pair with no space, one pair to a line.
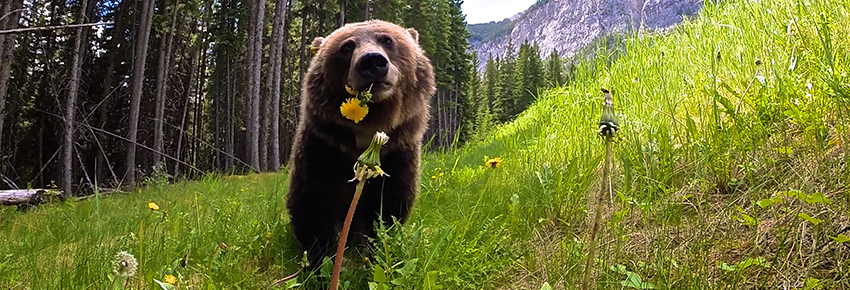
507,79
473,99
487,105
554,70
462,67
521,84
528,76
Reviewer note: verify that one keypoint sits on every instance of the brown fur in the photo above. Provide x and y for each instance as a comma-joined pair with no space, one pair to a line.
326,144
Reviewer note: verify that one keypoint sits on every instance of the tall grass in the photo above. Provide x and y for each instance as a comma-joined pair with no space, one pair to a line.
731,174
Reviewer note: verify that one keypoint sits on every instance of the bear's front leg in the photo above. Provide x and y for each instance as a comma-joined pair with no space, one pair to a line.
318,198
390,196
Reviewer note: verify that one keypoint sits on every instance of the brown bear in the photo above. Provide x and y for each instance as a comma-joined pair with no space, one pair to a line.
373,54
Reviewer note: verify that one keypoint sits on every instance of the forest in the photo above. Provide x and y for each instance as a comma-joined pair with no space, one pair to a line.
103,94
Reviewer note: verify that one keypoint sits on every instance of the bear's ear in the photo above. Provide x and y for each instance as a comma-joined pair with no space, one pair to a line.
317,43
413,33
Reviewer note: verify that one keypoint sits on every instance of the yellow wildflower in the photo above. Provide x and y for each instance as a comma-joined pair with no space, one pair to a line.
170,279
153,206
350,90
493,163
353,110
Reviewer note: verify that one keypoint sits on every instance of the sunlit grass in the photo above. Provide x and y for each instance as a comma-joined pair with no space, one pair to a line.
731,175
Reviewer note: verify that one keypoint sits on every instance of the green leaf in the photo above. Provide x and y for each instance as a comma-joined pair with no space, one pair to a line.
633,280
398,281
769,201
378,274
727,267
409,268
545,286
327,267
814,221
817,197
812,283
841,239
747,219
164,286
760,261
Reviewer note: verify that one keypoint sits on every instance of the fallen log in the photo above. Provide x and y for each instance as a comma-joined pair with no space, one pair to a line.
22,196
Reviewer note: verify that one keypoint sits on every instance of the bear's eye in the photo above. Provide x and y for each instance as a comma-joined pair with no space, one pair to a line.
347,48
388,42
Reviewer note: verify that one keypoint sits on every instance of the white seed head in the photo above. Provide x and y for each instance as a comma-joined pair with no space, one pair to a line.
125,264
381,138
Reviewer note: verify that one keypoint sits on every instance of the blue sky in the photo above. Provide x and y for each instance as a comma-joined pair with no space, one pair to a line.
482,11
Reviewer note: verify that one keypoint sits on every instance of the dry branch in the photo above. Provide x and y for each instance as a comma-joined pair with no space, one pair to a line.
41,28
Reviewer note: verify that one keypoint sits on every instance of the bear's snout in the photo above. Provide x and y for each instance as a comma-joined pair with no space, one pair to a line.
372,67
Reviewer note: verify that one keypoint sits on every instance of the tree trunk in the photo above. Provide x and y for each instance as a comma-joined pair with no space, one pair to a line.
228,124
190,89
283,127
366,11
7,48
161,85
271,107
137,82
254,63
71,105
22,196
106,88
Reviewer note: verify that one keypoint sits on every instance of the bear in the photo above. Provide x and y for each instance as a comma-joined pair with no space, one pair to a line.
386,59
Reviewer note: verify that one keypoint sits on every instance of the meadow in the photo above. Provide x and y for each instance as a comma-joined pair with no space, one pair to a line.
730,173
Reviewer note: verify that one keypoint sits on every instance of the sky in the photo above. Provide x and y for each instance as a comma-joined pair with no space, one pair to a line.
483,11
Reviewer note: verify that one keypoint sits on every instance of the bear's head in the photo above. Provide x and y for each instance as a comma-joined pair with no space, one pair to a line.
373,54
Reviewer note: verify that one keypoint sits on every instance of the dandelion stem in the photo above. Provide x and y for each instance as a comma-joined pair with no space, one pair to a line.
606,186
340,249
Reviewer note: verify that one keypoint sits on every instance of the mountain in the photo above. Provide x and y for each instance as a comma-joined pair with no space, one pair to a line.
569,25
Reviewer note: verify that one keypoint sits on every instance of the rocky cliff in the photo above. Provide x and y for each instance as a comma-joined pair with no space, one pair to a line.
568,25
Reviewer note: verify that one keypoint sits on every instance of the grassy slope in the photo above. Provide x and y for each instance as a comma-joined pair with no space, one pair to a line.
689,174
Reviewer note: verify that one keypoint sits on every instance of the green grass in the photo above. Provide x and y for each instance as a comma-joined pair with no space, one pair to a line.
731,174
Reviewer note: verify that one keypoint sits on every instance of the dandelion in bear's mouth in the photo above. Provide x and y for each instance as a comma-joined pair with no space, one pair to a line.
493,163
153,206
353,110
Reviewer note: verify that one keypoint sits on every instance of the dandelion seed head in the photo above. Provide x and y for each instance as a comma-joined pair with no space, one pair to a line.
124,264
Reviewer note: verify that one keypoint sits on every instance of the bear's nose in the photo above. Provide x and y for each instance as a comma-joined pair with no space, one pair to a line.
372,66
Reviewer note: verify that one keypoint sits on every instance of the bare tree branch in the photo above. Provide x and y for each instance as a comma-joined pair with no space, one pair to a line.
41,28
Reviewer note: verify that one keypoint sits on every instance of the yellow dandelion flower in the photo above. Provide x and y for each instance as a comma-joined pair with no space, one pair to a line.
153,206
170,279
353,110
495,162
